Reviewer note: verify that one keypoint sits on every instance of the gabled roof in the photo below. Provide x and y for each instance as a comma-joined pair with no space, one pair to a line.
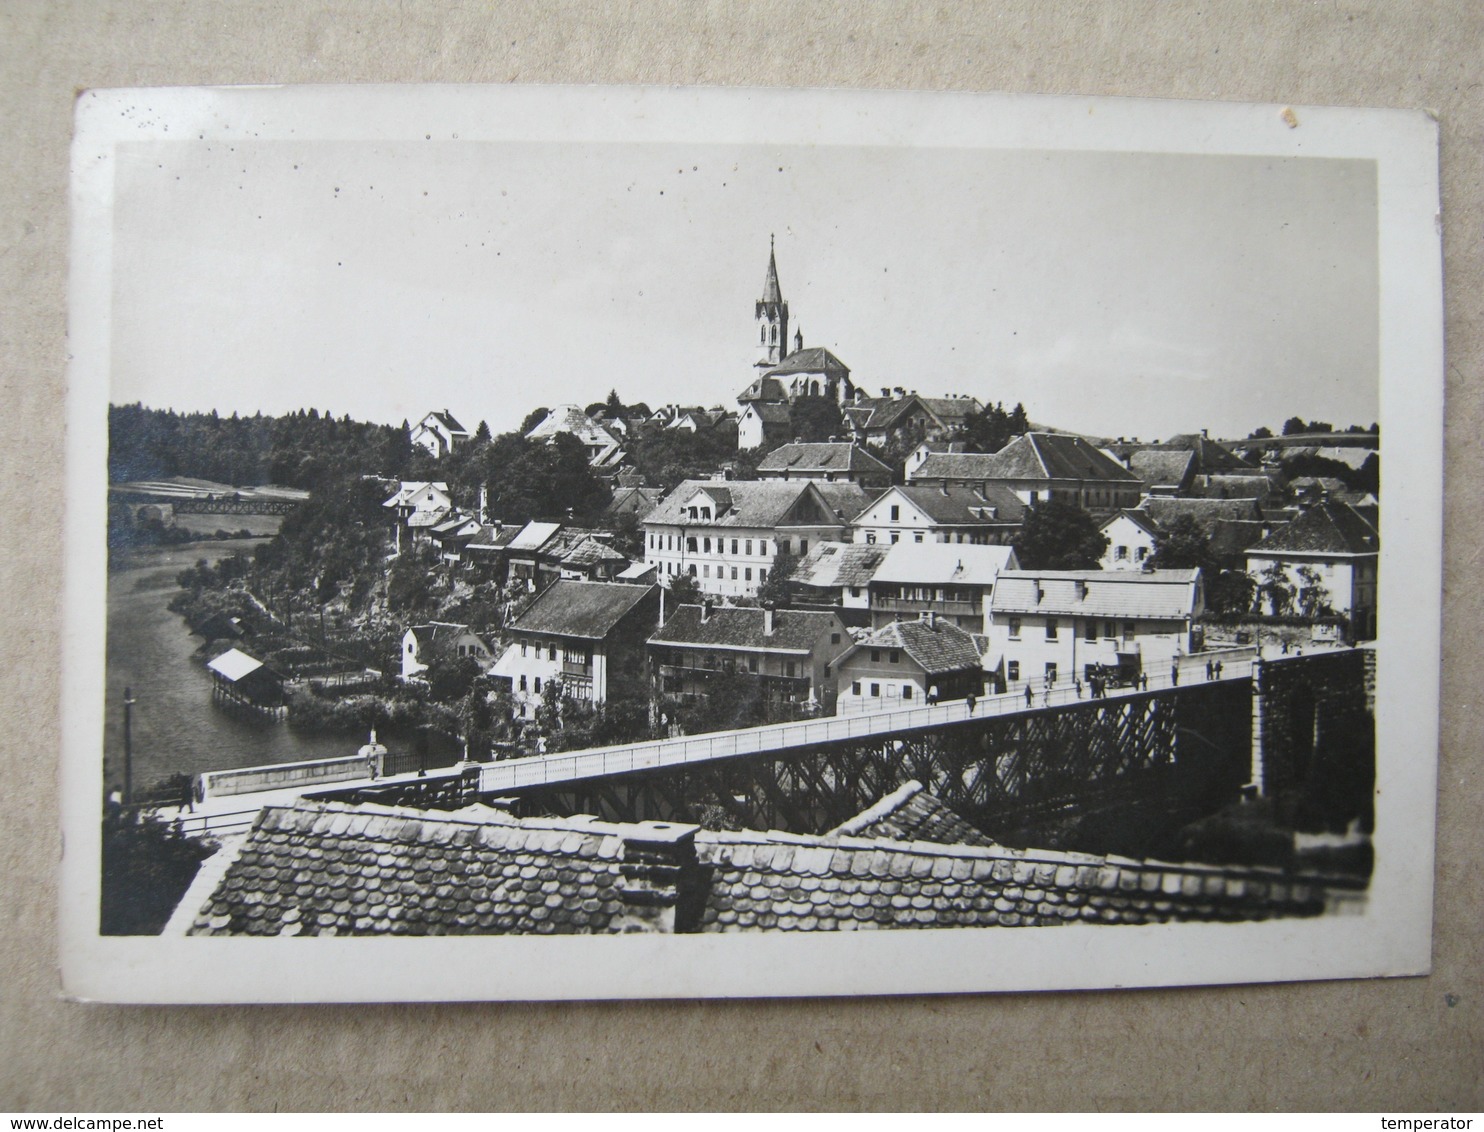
1211,456
1159,467
1165,511
822,457
234,664
428,518
1254,485
910,813
638,501
759,503
1328,527
589,610
446,419
936,647
533,536
741,628
945,564
1047,456
769,413
328,868
1140,519
571,418
1152,594
436,637
589,552
812,359
765,388
408,488
957,505
883,413
834,564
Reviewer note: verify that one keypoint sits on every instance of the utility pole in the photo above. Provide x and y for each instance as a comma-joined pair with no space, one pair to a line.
128,748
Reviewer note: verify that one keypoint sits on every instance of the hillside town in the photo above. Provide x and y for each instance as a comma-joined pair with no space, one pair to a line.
623,578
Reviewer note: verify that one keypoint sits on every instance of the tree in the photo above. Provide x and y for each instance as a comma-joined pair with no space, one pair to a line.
1059,536
815,419
684,590
533,418
1273,587
1312,596
482,433
1261,432
1294,426
1183,545
775,590
1231,591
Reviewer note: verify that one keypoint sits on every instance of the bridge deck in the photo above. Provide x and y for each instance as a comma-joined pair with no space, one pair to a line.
574,766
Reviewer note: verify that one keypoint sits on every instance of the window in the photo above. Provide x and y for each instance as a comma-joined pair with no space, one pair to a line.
762,575
522,683
706,545
1128,630
1015,628
788,668
855,591
705,571
896,657
734,573
537,683
1012,670
1051,672
876,689
734,546
1051,628
870,538
894,538
896,513
1141,553
551,652
906,691
692,569
916,536
1092,629
747,573
875,656
749,546
1120,554
855,687
834,638
803,547
690,543
523,647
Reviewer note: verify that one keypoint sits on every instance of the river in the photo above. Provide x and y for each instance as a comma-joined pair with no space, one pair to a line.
177,726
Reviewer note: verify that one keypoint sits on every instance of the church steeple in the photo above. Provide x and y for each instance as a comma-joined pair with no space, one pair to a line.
772,317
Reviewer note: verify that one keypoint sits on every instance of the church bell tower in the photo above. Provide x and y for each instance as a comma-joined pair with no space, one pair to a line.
772,318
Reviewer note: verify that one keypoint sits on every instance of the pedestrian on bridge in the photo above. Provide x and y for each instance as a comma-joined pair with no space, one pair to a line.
1218,670
1144,681
1210,670
1175,675
973,699
1029,695
1077,683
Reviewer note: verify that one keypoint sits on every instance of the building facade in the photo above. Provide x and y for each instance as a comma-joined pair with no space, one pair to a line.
908,664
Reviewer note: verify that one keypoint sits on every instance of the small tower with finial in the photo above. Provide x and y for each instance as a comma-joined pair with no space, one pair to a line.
772,317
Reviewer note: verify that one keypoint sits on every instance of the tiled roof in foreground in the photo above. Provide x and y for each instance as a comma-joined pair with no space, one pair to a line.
336,869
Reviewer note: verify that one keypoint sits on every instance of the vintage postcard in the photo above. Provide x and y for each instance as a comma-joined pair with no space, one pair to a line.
597,542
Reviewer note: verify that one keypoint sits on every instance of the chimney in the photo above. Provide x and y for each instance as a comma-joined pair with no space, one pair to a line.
484,504
1205,434
705,610
932,619
661,882
943,487
767,620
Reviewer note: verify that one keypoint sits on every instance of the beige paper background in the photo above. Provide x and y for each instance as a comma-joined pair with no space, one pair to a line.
1387,1044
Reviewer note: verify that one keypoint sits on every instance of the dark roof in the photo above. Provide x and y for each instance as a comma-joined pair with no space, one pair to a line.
436,637
638,501
589,552
446,419
1158,467
822,457
834,564
770,413
961,506
1140,519
1211,456
742,628
812,359
935,648
1045,455
1166,510
764,388
336,869
762,503
879,413
1325,528
589,610
1230,537
331,869
910,813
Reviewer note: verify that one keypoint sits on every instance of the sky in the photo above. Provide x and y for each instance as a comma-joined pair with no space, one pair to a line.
1116,294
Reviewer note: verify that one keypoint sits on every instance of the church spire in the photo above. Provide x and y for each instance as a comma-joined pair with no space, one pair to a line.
772,314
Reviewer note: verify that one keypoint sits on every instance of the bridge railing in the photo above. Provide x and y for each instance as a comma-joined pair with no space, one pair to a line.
568,766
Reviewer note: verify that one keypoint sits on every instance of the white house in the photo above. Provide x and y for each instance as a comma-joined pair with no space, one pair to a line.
906,664
952,581
1038,467
1056,624
940,513
422,645
1130,536
418,505
726,534
439,433
587,637
762,422
838,573
1338,548
603,448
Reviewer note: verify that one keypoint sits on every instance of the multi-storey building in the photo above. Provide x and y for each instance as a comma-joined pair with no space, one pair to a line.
951,581
940,513
1040,467
727,534
907,664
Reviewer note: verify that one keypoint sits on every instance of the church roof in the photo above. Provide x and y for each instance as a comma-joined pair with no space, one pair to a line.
772,292
812,359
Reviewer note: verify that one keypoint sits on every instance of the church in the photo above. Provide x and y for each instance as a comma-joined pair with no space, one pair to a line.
783,376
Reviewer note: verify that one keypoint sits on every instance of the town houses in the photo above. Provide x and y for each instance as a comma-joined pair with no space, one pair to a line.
885,562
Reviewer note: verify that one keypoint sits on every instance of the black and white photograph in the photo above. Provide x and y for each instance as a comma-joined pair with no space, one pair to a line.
852,543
